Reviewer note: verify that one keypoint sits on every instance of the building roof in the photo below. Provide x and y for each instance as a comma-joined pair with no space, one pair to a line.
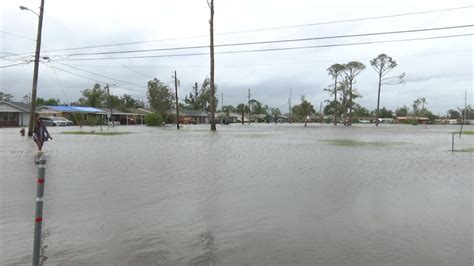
19,105
72,109
194,113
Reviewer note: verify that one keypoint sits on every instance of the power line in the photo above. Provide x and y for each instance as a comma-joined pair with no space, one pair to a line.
266,29
91,79
17,35
99,75
275,41
268,49
266,64
12,65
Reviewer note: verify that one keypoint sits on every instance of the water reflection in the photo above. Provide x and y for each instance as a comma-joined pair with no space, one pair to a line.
244,195
208,247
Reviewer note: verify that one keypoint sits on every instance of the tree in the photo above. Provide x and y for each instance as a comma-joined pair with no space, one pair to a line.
303,110
95,97
5,96
335,71
416,106
50,101
160,97
275,112
200,99
360,111
351,71
242,109
128,101
386,113
454,114
153,119
402,111
383,64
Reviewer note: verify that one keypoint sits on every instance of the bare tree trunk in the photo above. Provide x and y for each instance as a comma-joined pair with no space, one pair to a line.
213,91
378,100
305,121
335,100
350,103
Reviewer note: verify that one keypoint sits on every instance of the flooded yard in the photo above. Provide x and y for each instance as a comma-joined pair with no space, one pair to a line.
253,194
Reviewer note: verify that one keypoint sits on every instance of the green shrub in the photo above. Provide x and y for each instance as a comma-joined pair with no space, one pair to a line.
153,119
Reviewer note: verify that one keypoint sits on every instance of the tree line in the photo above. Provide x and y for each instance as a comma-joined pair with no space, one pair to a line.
341,105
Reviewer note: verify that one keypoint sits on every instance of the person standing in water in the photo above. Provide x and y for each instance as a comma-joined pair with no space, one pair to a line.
40,133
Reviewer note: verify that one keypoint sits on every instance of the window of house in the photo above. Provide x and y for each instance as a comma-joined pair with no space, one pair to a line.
12,116
3,116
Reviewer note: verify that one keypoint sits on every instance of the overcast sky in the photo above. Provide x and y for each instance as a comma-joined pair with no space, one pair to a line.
438,69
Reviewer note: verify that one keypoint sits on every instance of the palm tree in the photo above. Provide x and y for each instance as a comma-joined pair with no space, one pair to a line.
242,109
306,108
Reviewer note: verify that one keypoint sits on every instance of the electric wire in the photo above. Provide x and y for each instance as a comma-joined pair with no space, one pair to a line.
268,49
273,41
267,29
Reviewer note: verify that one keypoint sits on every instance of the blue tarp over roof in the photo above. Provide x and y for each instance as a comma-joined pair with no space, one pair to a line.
72,109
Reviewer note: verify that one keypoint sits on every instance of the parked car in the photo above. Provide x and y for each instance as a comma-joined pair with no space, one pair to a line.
55,121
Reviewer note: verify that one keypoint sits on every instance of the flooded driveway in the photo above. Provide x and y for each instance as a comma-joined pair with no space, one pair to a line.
259,194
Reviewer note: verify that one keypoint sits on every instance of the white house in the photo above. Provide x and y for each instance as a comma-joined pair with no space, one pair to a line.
14,114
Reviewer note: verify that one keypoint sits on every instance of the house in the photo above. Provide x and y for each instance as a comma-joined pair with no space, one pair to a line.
194,117
410,119
14,114
75,113
128,117
222,117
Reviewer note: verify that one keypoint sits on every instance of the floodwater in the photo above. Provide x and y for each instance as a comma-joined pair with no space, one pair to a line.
252,195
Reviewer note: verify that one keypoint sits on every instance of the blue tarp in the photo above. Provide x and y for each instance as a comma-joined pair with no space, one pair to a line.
72,109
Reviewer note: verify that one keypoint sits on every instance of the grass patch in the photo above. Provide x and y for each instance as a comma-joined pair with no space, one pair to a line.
465,132
357,143
466,150
468,132
100,133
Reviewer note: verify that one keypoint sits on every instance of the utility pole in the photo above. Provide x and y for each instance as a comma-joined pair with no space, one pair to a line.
289,106
110,106
250,109
465,111
35,71
176,95
213,90
222,108
321,111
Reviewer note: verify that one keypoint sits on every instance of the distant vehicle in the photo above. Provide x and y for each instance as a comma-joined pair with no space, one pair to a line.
55,121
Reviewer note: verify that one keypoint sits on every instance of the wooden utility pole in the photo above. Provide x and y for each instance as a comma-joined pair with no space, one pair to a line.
213,90
176,95
110,106
36,70
289,106
465,111
250,109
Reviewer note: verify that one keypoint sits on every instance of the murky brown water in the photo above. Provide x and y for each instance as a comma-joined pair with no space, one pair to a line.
260,194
